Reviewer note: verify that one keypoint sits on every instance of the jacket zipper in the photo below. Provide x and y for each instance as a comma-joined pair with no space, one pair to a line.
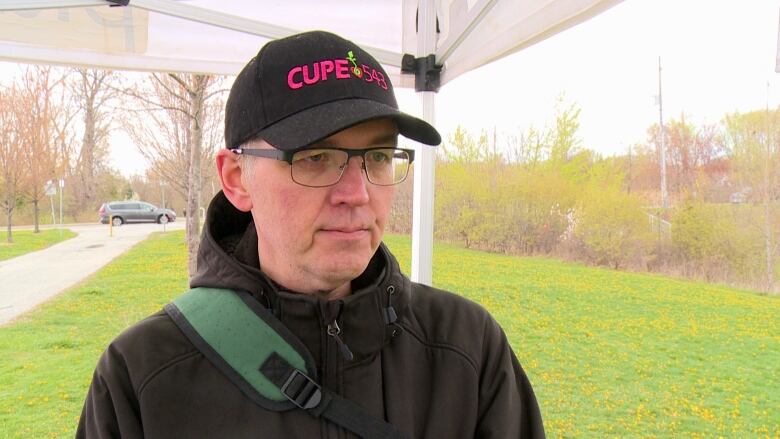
335,354
334,330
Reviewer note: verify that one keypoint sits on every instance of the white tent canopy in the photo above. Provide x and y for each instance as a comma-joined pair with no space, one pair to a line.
213,36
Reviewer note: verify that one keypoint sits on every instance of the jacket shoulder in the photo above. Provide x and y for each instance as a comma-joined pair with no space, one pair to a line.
148,348
443,319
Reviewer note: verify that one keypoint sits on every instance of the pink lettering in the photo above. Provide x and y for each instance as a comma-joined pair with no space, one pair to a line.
326,66
367,71
342,69
291,81
310,74
313,80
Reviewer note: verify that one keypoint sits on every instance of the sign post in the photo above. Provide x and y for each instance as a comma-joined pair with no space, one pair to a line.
62,189
51,190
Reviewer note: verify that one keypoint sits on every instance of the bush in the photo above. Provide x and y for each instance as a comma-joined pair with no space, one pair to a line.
717,241
612,228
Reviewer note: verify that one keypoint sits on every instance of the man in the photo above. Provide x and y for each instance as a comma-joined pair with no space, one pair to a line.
312,155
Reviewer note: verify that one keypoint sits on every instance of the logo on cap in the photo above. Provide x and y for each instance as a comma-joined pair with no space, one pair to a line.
355,69
310,74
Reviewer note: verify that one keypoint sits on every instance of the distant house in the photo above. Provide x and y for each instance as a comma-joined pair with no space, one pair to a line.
741,196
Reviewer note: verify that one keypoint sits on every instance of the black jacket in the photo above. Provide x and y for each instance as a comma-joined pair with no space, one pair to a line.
443,370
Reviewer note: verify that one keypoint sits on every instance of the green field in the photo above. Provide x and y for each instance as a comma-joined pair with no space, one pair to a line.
608,353
26,241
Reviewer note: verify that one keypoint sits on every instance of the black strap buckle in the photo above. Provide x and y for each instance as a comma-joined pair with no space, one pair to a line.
301,390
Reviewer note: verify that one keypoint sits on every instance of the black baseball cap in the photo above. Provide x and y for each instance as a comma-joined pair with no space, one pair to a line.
308,86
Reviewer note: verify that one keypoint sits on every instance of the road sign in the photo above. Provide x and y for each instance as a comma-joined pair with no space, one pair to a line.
50,189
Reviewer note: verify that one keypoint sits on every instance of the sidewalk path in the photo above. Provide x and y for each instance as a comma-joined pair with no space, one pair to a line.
31,279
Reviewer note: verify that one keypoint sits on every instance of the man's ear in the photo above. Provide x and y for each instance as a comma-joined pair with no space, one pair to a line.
229,170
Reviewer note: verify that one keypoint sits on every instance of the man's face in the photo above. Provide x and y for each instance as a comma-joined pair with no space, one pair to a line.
316,240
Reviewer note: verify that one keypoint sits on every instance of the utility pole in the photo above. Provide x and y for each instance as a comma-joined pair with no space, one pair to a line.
664,194
768,238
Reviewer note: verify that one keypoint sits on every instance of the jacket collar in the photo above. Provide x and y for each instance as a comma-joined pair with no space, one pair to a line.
227,258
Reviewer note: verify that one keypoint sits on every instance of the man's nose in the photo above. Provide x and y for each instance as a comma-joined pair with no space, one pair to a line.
353,186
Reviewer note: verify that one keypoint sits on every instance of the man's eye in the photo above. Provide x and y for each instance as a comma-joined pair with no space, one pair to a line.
312,156
380,156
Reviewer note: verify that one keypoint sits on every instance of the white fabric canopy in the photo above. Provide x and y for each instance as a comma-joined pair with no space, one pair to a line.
220,36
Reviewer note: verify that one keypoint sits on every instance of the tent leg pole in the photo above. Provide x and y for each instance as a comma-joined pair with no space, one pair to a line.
422,218
424,167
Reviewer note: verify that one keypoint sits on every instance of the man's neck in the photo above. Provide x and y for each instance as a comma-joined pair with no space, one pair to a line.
340,292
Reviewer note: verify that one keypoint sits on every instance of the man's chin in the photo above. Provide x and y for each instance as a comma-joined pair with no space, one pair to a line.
334,241
343,261
339,270
335,245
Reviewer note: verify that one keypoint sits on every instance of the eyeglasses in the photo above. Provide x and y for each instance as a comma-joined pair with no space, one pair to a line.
322,167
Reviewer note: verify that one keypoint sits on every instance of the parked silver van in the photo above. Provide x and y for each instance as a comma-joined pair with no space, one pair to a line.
122,212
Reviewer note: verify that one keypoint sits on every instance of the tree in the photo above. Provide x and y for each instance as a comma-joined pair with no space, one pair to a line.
463,147
753,141
564,143
93,91
180,131
11,157
529,148
690,150
518,200
468,175
44,120
608,222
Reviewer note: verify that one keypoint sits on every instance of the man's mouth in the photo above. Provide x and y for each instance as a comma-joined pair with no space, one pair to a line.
346,232
346,229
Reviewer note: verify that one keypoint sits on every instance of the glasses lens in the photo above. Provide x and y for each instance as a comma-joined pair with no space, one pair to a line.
324,167
318,167
386,166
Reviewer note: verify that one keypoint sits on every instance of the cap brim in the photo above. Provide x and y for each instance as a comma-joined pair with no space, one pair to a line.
316,123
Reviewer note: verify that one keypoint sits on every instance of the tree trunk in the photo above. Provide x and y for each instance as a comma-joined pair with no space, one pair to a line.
87,163
36,215
9,238
197,95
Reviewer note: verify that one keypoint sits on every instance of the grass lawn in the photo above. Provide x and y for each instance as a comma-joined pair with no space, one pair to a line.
608,353
25,241
623,354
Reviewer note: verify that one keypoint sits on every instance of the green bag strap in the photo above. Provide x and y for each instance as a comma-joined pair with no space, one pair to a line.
264,359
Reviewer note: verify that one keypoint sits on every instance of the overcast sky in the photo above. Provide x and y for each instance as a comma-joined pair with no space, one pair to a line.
717,56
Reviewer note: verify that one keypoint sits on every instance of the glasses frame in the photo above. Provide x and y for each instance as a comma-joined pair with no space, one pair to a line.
287,156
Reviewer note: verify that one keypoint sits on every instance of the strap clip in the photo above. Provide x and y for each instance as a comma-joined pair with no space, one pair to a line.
301,390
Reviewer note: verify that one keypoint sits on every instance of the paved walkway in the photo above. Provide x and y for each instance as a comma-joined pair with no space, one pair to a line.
31,279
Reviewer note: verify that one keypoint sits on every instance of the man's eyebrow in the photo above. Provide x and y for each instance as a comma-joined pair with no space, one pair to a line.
382,139
387,138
